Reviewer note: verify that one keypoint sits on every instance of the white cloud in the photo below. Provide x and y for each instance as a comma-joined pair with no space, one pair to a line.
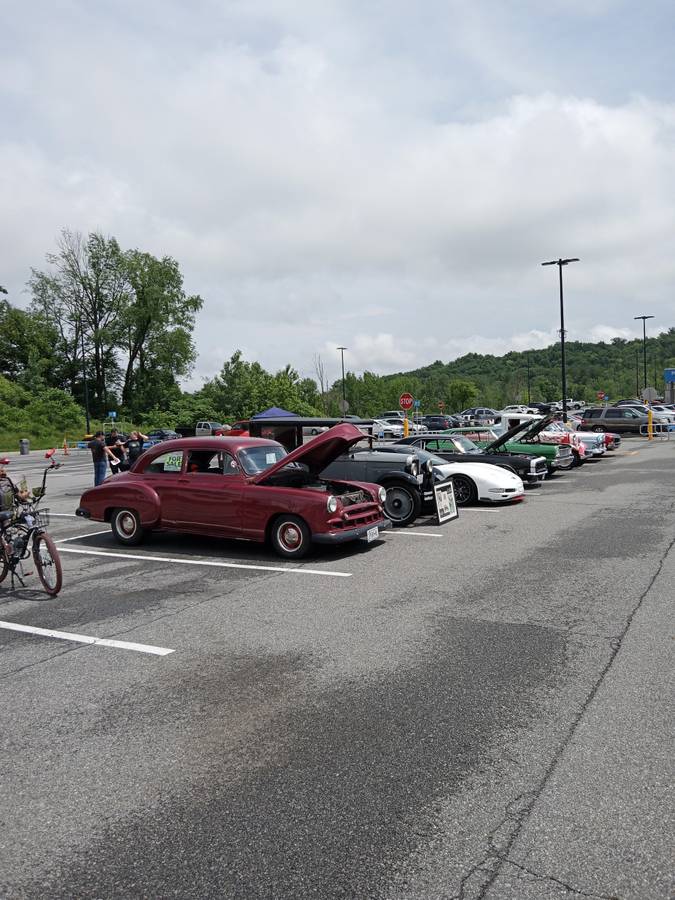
329,176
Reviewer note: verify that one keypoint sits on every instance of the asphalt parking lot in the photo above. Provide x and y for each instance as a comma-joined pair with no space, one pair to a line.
476,710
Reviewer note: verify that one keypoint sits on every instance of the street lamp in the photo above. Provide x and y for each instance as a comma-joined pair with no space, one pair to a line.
637,372
644,343
344,396
560,263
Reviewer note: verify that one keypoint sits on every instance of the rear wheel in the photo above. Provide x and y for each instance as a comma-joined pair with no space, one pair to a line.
465,490
291,537
48,564
126,526
402,504
4,565
598,428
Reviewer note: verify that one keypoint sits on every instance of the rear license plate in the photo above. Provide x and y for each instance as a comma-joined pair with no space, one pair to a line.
371,534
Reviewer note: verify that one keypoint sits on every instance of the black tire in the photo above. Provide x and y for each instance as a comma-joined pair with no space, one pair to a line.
576,459
126,527
598,428
465,490
290,536
48,564
4,565
403,504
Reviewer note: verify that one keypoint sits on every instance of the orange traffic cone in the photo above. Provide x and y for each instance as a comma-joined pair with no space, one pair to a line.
66,452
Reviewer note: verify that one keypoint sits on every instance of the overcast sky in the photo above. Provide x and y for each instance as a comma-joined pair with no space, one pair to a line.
385,175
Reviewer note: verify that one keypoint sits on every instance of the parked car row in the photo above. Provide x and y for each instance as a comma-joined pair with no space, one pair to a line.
339,486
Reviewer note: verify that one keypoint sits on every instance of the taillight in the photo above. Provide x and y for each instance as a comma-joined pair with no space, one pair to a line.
584,421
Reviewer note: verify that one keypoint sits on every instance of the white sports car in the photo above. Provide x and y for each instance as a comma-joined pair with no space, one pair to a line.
471,481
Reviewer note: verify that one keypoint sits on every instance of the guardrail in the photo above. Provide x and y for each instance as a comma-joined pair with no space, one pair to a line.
660,430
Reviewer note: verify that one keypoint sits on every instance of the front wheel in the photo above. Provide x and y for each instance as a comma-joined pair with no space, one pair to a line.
48,564
402,505
291,537
4,565
576,458
465,490
126,527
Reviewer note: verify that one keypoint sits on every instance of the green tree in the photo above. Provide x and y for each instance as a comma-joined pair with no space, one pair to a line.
155,325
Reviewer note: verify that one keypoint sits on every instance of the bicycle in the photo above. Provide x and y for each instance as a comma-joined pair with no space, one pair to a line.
23,533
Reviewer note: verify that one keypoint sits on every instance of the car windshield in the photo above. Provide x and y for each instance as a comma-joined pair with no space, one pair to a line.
256,459
465,444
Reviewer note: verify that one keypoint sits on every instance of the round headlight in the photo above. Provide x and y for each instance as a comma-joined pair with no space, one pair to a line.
429,466
332,504
382,494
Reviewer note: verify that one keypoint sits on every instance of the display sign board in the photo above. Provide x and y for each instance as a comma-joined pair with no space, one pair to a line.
405,401
446,507
669,376
112,415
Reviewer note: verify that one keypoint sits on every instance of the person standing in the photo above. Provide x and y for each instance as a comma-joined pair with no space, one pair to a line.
135,446
116,446
100,455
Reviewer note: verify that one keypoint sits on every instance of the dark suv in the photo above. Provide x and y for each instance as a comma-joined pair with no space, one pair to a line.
622,419
440,423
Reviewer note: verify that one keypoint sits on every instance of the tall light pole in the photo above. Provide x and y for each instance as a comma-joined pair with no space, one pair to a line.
344,396
644,343
560,263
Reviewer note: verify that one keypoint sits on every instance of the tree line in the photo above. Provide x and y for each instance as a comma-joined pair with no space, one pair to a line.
118,326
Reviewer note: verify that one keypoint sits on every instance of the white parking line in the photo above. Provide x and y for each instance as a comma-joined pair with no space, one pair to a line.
78,537
86,639
204,562
63,515
413,534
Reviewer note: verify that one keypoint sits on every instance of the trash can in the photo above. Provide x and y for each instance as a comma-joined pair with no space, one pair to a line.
24,446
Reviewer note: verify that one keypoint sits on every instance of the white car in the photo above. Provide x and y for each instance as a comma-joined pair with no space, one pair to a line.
478,481
387,428
471,481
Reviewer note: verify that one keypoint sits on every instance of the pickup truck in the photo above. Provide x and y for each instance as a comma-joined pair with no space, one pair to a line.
202,429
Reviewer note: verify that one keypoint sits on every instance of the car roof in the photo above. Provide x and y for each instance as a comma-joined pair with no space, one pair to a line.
232,444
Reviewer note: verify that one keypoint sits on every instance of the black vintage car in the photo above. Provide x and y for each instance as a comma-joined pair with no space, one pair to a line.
459,448
408,482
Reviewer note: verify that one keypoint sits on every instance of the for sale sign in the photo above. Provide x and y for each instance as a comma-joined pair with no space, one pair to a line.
446,507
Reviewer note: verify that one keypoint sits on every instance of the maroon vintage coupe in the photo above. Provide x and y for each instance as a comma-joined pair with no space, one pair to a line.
241,487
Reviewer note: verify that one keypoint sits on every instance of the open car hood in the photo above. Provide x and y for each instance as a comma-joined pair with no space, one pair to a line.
319,452
524,430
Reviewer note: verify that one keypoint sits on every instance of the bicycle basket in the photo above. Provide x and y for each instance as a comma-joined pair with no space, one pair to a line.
42,517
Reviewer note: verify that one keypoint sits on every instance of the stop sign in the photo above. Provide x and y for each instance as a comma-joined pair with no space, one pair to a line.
405,401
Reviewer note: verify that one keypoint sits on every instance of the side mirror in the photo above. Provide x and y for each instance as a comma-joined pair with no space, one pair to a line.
5,461
50,453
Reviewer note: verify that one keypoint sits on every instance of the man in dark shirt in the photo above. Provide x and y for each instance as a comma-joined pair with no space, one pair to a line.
100,455
116,445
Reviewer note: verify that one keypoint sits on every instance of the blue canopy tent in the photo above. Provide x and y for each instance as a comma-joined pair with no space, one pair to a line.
274,412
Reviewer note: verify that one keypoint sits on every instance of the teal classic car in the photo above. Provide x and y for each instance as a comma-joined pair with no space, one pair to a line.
524,437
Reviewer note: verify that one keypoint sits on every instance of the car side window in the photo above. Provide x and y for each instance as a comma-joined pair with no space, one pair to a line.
614,414
206,462
167,463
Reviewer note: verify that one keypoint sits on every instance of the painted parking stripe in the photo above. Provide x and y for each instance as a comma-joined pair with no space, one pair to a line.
87,639
77,537
181,560
413,534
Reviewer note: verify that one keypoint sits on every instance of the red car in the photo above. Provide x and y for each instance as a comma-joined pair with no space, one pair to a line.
239,429
241,487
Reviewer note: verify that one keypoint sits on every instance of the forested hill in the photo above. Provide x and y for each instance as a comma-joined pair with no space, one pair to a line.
615,367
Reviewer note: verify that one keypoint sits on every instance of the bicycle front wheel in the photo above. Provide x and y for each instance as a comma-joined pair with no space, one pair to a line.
48,564
4,565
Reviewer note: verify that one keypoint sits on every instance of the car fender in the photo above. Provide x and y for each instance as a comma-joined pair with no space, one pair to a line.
113,494
397,475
